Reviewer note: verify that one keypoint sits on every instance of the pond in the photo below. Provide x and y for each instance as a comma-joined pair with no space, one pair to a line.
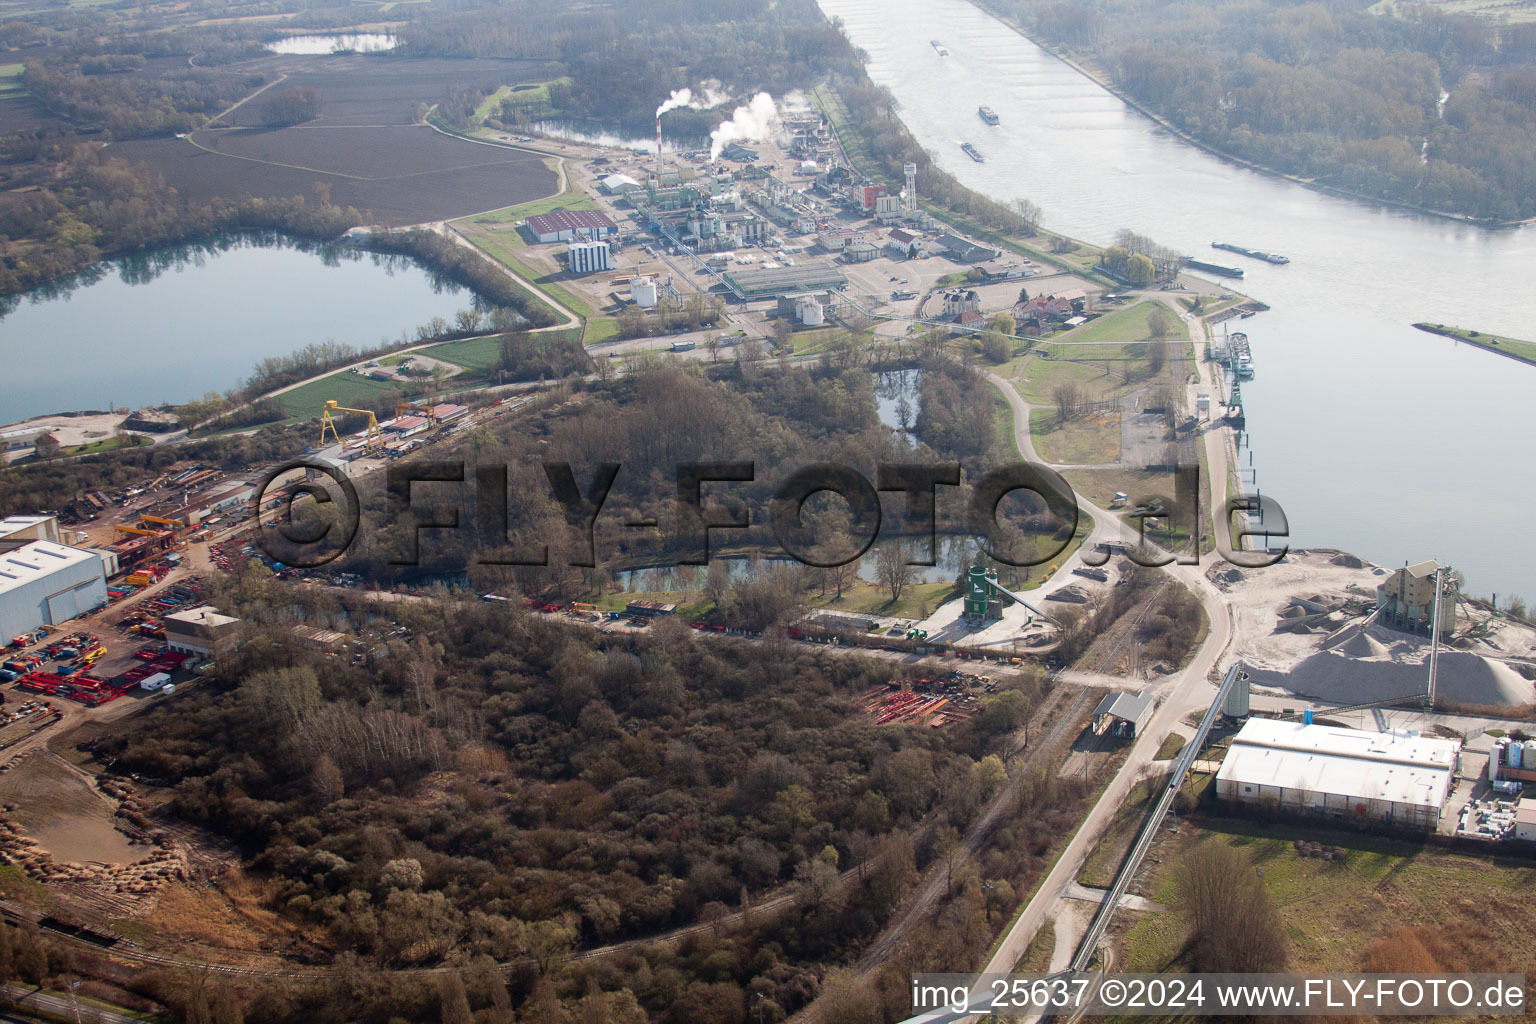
171,325
320,45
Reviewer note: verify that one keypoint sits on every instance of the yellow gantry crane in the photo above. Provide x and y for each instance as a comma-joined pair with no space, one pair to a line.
374,436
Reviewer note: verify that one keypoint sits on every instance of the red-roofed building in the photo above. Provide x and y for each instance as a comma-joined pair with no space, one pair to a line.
570,225
445,413
405,426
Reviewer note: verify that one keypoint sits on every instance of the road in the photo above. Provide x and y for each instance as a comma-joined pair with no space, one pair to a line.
24,998
1178,694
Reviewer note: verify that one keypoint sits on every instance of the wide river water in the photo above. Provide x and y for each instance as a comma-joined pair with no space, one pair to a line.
1374,437
171,325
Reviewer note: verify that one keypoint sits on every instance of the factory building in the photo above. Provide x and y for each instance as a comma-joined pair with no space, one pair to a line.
1402,780
21,438
1407,600
766,284
43,583
1525,820
1123,714
18,530
203,631
588,257
571,225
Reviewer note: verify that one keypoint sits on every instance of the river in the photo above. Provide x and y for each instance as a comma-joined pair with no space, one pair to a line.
1374,437
171,325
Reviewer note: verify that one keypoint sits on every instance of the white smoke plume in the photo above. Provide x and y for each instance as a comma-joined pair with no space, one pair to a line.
710,95
753,121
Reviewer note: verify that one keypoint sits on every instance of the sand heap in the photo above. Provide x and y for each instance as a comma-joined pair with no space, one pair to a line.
1354,665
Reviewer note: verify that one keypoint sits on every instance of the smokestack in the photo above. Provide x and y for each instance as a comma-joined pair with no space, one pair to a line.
658,146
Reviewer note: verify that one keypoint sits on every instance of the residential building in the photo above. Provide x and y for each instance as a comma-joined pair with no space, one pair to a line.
960,300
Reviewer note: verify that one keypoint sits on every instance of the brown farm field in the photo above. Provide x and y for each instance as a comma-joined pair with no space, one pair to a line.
379,90
398,175
364,150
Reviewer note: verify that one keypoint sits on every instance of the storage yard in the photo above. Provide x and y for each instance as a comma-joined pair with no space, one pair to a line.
927,702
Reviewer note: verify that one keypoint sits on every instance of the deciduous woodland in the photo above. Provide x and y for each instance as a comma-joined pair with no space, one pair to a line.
1412,105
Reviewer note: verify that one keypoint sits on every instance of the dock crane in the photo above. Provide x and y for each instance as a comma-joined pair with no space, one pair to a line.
327,422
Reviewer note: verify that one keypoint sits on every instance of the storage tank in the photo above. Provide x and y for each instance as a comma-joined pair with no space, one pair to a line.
1530,754
1494,757
1238,704
1515,748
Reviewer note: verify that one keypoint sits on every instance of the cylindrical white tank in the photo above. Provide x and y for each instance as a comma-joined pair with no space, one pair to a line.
1530,753
1494,757
1515,749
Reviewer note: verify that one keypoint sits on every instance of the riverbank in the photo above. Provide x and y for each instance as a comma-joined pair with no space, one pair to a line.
1512,348
1100,78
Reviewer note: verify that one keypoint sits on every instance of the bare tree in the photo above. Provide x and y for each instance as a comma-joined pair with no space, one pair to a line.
892,570
1068,396
1235,926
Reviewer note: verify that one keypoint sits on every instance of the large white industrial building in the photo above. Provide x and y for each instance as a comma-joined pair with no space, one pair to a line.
588,257
1399,779
42,583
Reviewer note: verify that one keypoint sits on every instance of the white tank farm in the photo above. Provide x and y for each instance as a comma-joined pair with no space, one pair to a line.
1515,749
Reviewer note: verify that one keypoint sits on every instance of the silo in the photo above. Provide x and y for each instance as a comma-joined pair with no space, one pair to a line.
1530,754
1494,757
1515,748
1238,704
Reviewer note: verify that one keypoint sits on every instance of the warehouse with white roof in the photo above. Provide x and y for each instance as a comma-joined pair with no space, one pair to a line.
1399,779
42,583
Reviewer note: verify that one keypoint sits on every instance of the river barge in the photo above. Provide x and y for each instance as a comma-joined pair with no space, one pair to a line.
1267,257
972,152
1213,268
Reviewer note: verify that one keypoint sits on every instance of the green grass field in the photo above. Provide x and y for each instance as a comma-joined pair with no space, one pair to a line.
1332,909
307,400
482,354
1514,348
570,199
10,80
503,245
1087,440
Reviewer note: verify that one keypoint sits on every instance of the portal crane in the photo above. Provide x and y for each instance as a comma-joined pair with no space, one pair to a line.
374,437
427,412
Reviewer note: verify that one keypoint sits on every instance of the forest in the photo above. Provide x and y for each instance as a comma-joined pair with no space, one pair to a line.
1420,107
619,61
486,785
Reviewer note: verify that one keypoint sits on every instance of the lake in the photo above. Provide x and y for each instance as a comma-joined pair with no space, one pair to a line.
171,325
319,45
1374,437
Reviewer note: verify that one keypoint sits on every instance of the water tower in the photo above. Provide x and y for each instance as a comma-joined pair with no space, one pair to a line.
911,171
